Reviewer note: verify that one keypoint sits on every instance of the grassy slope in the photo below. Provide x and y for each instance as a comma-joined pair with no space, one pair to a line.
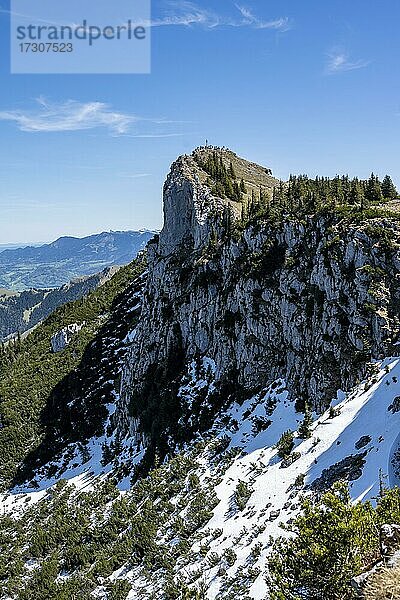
385,584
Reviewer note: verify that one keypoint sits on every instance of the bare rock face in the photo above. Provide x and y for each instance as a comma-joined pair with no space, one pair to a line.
188,204
389,540
313,301
348,469
62,338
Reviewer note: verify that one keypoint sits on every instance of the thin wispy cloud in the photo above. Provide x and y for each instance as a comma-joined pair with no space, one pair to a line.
339,62
159,135
48,117
251,20
183,13
70,116
134,175
187,14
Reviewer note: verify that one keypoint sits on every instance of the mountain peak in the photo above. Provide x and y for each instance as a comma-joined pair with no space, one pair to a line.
252,362
206,189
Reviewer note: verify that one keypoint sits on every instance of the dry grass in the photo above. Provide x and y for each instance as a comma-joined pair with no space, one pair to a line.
384,585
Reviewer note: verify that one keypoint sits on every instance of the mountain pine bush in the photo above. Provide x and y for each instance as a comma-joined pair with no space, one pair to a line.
332,540
285,444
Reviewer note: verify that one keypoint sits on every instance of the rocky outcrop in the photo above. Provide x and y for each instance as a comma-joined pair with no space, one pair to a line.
390,540
62,339
348,469
382,578
313,301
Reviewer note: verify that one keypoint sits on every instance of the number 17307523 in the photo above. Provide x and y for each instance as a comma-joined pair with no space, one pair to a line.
43,47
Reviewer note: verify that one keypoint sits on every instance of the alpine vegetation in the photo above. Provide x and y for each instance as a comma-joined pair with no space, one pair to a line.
220,419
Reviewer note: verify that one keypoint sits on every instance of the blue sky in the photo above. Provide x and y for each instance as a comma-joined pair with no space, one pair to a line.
302,87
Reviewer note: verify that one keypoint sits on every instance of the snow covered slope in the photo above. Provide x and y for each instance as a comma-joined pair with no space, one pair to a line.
248,491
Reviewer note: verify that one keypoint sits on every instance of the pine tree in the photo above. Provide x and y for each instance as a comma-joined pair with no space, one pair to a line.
236,191
305,425
252,206
245,214
388,188
228,219
356,192
213,238
332,539
373,190
338,190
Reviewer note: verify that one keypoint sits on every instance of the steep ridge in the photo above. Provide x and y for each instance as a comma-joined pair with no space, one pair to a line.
259,364
202,524
20,311
311,299
52,401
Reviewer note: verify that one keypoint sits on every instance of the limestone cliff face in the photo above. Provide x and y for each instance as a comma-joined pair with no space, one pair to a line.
312,301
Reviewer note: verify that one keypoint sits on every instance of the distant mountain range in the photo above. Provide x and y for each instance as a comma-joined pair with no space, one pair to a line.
20,245
55,264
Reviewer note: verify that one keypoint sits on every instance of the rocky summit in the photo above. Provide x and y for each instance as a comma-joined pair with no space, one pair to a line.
311,300
220,418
